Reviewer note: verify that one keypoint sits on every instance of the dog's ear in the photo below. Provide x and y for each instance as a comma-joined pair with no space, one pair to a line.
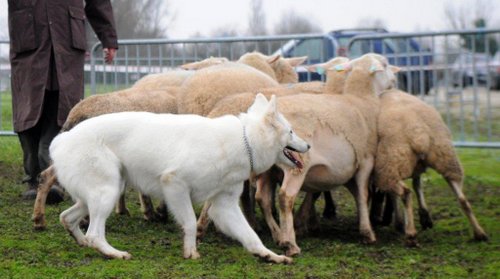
272,108
259,104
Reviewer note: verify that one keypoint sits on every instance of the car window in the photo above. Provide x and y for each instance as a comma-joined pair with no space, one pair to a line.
358,48
312,48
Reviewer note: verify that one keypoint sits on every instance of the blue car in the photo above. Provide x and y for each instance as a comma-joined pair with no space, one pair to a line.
416,75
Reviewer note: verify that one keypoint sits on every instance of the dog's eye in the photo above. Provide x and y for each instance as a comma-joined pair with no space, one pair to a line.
291,132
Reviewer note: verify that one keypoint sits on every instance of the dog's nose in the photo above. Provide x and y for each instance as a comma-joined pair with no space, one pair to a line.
308,146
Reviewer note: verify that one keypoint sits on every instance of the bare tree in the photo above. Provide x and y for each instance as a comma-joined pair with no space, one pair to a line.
462,16
471,15
370,22
293,23
257,21
142,18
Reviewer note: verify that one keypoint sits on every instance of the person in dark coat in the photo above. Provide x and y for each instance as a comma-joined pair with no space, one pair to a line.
47,53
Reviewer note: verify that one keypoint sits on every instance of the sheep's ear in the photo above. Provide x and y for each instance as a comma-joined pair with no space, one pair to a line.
273,59
394,69
296,61
376,67
191,66
342,67
318,68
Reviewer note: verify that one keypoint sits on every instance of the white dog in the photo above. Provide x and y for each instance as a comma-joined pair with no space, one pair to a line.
180,158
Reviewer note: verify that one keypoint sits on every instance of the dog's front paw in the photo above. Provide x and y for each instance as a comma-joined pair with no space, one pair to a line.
119,255
275,258
191,254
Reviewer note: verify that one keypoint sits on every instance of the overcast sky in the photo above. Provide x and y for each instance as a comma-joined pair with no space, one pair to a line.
204,16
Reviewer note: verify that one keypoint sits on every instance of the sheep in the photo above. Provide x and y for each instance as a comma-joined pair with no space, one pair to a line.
278,68
175,77
412,137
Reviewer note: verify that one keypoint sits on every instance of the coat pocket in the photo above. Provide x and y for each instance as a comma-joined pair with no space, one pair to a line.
77,23
22,31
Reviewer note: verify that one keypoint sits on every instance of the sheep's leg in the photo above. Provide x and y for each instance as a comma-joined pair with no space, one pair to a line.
423,212
263,196
228,217
388,211
121,207
203,221
479,233
405,194
313,221
48,179
248,205
399,218
162,211
147,207
362,180
376,208
330,211
302,216
288,192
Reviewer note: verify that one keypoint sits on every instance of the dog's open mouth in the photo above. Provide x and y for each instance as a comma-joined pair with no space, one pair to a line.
289,154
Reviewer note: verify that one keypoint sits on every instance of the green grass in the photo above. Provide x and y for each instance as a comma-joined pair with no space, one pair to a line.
335,252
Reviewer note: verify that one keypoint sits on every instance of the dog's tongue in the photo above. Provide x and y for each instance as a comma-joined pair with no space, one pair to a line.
292,158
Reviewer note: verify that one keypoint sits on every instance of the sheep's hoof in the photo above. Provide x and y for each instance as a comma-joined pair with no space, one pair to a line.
369,238
292,250
39,227
425,219
411,242
399,226
481,236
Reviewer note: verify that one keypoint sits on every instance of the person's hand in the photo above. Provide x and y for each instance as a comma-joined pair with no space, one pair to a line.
109,54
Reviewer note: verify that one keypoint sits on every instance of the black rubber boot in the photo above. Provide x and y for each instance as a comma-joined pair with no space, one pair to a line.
30,193
56,195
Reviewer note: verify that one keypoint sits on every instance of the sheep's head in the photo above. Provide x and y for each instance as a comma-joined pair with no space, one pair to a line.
373,67
383,72
335,77
284,68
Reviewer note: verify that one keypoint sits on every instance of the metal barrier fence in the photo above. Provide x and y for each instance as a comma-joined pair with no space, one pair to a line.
435,66
452,71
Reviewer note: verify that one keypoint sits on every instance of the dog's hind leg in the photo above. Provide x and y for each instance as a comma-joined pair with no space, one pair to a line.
179,202
71,217
229,218
100,206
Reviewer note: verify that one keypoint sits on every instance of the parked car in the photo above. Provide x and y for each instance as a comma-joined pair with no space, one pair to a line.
469,68
403,52
495,70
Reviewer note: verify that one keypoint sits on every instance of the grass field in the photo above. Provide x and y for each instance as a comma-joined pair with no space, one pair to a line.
446,251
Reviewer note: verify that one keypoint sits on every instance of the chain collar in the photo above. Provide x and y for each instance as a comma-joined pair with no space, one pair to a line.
248,148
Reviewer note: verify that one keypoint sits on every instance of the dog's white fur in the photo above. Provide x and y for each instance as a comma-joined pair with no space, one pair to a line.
180,158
